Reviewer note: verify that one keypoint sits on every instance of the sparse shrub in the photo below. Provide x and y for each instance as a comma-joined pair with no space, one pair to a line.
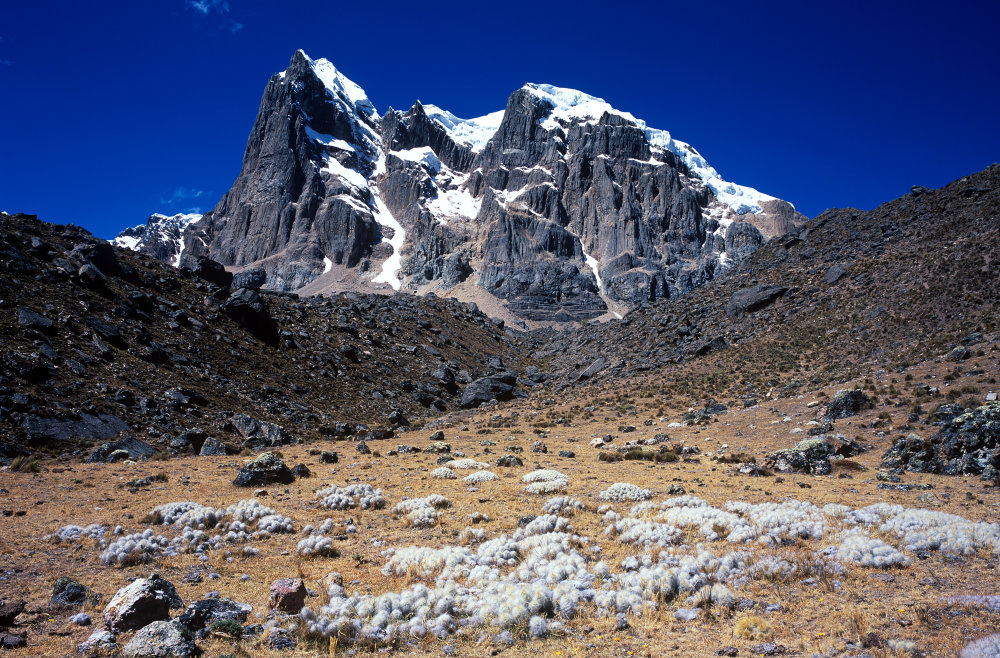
24,464
620,492
229,627
752,627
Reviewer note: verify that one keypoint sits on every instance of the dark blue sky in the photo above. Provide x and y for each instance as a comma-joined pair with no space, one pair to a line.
113,110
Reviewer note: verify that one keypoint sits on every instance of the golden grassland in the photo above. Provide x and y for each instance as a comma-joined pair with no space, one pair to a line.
865,609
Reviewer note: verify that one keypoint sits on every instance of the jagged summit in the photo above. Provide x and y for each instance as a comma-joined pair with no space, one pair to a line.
557,208
159,237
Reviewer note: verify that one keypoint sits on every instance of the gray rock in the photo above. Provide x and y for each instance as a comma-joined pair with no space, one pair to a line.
100,642
835,273
161,639
30,319
685,614
132,447
140,602
212,448
260,434
80,619
248,309
848,403
750,300
85,426
266,468
72,594
203,613
967,444
810,456
498,387
251,279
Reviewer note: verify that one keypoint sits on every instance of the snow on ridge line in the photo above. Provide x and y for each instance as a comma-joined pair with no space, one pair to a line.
335,82
571,105
474,132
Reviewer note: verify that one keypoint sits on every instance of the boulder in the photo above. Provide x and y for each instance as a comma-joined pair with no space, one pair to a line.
835,273
161,639
69,593
134,448
30,319
9,610
288,595
212,271
266,468
259,434
750,300
811,456
968,444
498,387
141,602
13,639
251,279
101,642
848,403
212,448
203,613
248,309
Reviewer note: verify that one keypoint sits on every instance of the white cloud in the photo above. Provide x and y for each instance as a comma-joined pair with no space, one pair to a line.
208,6
182,195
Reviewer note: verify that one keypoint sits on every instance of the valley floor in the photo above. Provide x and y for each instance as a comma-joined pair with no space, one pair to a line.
789,596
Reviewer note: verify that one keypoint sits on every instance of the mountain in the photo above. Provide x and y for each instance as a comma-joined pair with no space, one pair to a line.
557,208
159,237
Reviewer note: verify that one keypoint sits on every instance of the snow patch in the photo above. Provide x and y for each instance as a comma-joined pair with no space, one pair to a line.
327,264
422,155
352,177
452,204
473,132
329,140
394,262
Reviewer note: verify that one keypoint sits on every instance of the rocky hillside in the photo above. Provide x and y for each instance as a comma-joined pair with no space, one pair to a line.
100,343
848,292
557,208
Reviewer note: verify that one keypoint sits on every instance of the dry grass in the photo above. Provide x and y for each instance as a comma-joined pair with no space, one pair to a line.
857,607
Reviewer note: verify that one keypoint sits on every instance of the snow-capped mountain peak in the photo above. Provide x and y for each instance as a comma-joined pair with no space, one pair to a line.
340,85
161,236
570,106
527,206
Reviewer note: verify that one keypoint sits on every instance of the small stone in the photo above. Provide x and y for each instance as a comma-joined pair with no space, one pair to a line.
685,614
727,651
80,619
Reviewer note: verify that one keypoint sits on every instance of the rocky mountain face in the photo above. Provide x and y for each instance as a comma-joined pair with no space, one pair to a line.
159,237
557,208
850,292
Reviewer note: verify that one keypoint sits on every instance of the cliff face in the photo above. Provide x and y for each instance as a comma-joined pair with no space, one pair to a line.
560,207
